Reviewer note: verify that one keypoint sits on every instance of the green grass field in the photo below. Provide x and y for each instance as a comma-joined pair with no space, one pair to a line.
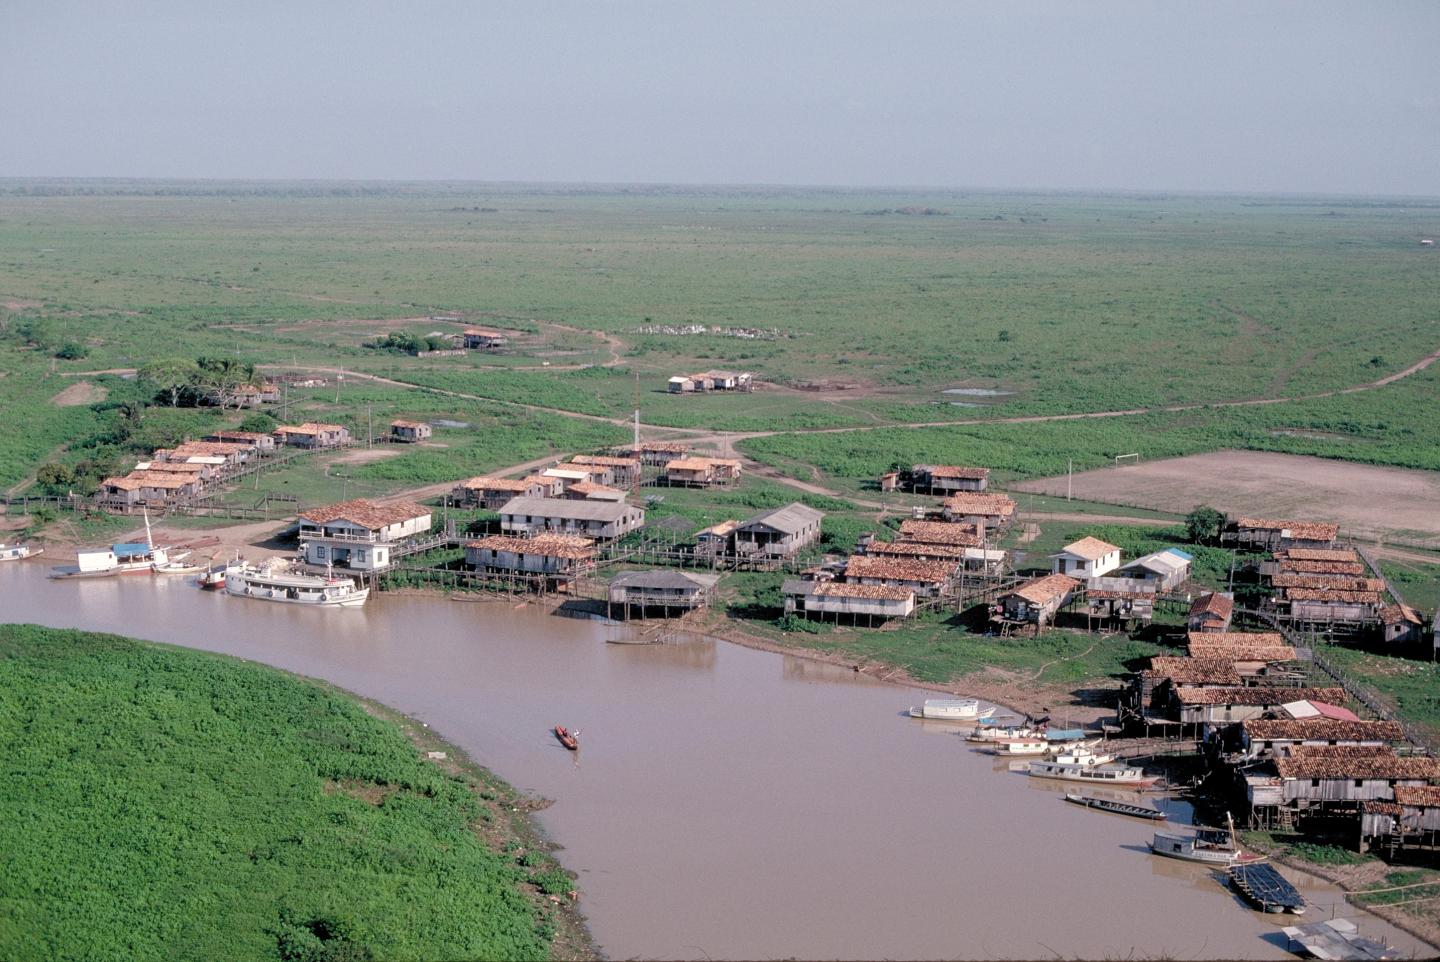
167,804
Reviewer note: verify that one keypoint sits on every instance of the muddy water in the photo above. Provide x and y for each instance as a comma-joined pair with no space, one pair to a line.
727,803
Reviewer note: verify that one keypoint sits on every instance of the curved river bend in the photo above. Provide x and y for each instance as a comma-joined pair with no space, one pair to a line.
727,803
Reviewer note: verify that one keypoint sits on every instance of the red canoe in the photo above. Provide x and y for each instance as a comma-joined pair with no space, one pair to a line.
566,739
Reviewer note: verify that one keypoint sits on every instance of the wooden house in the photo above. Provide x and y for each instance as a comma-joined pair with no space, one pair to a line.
555,556
409,431
1119,601
1226,706
716,541
680,384
234,453
917,550
1326,561
1273,736
1251,651
1314,777
263,443
1413,818
926,579
890,481
948,479
360,534
777,533
565,477
1166,569
605,520
710,381
621,472
1037,602
153,487
1086,558
590,491
1401,624
992,510
1267,534
665,589
809,598
940,532
1211,612
702,472
483,339
655,453
312,435
493,493
1152,690
1330,606
206,468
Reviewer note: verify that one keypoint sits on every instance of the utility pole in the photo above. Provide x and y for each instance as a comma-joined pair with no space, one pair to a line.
1070,479
637,414
369,425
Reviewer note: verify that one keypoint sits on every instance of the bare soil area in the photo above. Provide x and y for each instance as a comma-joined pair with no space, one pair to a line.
1370,503
81,392
366,455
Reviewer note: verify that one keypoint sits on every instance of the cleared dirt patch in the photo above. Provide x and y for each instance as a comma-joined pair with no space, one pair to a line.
366,455
81,392
1371,503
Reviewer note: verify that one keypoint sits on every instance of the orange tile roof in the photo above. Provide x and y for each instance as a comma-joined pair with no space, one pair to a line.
1213,604
898,569
995,505
550,545
1091,549
368,514
1257,695
1317,554
1046,589
1303,530
940,532
954,471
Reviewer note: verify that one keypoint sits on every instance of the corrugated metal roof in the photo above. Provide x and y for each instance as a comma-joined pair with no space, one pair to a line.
603,511
790,519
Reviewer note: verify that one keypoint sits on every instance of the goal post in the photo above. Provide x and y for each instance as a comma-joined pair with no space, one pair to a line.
1123,460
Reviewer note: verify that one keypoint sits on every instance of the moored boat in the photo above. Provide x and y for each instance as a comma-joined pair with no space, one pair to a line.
1213,846
951,709
1265,888
567,737
214,577
992,733
274,582
178,566
1080,755
1095,774
1115,807
1020,746
17,552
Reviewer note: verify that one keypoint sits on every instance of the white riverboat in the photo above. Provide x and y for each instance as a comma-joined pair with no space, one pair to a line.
1081,755
951,709
1094,774
1020,746
15,552
279,583
995,733
1212,846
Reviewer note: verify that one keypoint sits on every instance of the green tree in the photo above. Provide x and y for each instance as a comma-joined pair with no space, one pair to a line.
55,476
259,422
71,351
1203,524
172,377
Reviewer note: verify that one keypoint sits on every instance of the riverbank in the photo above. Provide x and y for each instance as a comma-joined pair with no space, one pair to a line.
252,813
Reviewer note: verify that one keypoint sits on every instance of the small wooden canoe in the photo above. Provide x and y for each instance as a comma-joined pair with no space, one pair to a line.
1116,808
566,738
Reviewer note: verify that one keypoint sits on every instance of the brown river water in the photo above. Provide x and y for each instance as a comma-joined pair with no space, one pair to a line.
730,803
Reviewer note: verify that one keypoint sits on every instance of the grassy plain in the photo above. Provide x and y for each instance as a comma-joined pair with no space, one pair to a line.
246,814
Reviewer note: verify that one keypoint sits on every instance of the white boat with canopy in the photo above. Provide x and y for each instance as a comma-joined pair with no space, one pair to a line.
277,582
951,709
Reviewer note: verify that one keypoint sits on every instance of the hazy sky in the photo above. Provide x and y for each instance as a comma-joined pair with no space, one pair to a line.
1267,96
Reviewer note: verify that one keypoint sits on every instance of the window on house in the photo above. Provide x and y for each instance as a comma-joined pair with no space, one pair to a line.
1314,783
1359,783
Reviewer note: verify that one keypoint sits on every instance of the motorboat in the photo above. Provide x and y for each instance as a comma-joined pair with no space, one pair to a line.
1213,846
17,552
1080,755
951,709
277,582
179,566
1095,774
992,733
1020,746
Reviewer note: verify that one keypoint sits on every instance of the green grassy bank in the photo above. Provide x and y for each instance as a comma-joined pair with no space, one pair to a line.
168,804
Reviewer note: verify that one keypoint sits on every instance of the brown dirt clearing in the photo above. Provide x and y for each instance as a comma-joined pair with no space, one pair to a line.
1370,503
82,392
366,455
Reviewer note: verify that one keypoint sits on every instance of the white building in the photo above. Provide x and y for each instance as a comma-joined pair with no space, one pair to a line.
1086,558
360,534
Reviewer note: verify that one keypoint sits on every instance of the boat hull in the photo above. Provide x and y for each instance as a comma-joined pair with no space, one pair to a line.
1112,807
1092,774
